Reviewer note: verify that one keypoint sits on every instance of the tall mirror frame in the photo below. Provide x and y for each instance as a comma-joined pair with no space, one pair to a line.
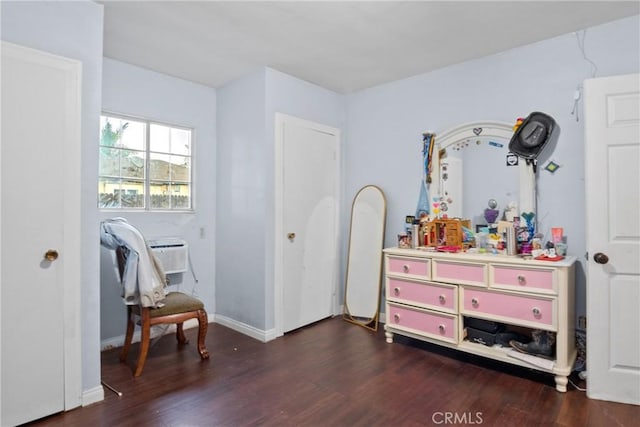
495,129
363,284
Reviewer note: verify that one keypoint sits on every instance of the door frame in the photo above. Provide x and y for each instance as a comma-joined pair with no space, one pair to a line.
71,253
281,120
606,372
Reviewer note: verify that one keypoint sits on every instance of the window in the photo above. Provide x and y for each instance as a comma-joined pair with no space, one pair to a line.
144,165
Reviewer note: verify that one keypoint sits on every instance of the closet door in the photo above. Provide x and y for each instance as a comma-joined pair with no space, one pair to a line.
308,168
39,229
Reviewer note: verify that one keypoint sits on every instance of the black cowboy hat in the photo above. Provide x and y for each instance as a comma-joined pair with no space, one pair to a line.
532,135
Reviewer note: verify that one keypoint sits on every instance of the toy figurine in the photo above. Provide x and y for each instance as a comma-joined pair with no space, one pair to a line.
511,211
491,213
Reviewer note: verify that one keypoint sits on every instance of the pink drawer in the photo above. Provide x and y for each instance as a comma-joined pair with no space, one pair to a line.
529,279
409,266
428,295
460,272
431,324
516,309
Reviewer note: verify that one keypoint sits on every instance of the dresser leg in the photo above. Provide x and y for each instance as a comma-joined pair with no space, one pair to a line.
561,383
389,335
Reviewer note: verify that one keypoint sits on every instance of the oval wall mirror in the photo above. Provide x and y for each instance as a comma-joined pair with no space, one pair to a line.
364,262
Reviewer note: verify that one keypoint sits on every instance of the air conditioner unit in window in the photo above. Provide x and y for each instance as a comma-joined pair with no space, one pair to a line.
172,253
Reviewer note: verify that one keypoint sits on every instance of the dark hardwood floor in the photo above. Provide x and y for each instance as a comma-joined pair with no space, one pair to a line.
332,373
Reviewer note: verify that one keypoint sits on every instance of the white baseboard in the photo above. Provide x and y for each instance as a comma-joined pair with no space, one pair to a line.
93,395
245,329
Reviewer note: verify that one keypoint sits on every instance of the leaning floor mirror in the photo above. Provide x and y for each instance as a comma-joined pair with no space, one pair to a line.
364,261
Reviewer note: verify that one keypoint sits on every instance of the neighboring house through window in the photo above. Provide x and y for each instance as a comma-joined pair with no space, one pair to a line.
144,165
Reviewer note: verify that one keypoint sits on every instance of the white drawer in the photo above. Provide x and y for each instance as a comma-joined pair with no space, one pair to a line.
431,324
538,280
525,310
463,273
436,296
407,266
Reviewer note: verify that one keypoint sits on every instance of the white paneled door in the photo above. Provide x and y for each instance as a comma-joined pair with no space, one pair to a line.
39,223
612,179
307,223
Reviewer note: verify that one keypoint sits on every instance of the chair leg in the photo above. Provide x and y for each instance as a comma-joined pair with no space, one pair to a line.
145,333
182,339
128,336
203,323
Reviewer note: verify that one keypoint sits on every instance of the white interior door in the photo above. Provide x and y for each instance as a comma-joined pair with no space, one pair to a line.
612,178
39,164
309,220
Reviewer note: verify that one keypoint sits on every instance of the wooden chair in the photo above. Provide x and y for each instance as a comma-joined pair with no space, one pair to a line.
178,307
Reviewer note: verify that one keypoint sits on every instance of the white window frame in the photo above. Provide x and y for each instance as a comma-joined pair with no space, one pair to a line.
147,150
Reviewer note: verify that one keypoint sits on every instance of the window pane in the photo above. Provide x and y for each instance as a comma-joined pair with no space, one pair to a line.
159,166
132,164
133,135
109,193
160,195
115,193
180,141
160,138
180,168
168,195
109,161
117,132
132,194
180,196
110,131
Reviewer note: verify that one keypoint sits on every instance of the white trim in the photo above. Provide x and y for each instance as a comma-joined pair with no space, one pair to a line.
245,329
72,246
93,395
278,252
280,121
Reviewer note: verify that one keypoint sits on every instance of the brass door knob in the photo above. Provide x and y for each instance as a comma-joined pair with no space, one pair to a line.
51,255
291,236
600,258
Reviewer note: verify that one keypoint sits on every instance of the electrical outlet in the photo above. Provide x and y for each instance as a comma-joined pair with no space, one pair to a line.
582,322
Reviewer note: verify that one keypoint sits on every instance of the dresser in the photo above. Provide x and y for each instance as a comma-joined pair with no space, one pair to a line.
429,295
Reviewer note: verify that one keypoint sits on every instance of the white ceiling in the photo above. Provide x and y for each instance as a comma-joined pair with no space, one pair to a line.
344,46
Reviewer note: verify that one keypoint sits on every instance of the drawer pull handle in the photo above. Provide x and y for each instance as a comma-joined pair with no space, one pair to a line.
442,299
396,318
536,311
522,280
475,302
396,291
405,268
442,329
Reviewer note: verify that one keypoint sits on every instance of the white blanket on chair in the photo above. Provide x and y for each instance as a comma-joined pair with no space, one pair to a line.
143,279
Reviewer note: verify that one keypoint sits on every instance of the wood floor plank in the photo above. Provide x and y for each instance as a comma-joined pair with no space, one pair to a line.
332,373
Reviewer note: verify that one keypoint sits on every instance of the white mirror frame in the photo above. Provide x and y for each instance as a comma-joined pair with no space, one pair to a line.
363,282
495,129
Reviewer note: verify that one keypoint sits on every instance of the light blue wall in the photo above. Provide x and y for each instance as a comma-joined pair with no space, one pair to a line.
242,186
385,123
298,98
246,118
138,92
74,30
